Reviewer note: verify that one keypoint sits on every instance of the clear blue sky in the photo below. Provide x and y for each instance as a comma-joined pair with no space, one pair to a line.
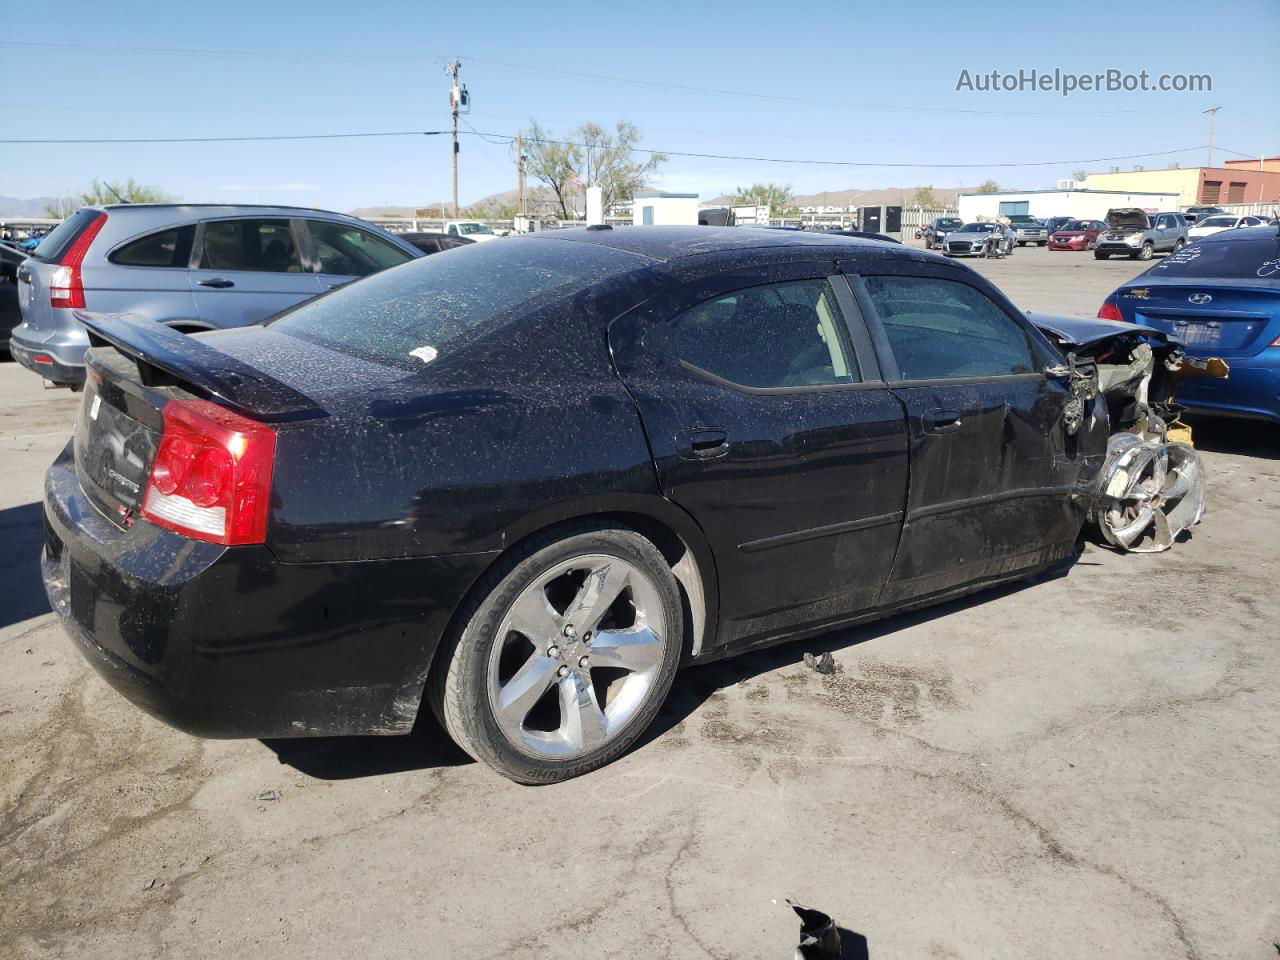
332,67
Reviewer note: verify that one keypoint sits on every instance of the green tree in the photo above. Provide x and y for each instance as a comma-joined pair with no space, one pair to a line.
776,196
924,197
989,186
109,191
590,156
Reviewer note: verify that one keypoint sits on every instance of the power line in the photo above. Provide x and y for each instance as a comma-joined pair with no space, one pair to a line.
508,138
300,136
595,77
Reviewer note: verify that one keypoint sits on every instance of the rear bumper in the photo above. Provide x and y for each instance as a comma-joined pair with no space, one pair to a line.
65,354
229,642
1252,390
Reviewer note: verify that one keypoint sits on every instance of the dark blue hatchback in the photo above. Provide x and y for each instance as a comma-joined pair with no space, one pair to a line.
1221,297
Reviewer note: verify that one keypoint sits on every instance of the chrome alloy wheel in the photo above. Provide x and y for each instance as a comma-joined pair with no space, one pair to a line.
576,655
1153,492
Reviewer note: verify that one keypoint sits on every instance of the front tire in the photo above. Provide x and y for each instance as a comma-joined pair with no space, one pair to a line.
1146,252
1099,255
565,659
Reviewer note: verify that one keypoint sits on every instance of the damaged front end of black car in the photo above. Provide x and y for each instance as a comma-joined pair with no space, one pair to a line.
1151,487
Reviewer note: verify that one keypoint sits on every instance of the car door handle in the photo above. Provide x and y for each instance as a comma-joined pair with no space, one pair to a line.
942,421
217,283
703,444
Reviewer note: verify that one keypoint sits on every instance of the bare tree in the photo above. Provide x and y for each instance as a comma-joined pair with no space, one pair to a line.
590,156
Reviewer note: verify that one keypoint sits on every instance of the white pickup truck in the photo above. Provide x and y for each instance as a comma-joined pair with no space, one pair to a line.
471,229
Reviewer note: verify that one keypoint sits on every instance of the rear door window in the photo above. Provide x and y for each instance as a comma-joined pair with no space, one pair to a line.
779,335
346,250
942,329
265,246
168,248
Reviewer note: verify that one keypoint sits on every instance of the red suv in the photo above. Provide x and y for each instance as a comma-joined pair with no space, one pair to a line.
1077,235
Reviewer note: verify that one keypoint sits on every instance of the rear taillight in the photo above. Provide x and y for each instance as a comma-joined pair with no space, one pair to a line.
211,476
65,286
1110,310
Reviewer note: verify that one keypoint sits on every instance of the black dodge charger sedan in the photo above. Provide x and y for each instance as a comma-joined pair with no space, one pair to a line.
522,482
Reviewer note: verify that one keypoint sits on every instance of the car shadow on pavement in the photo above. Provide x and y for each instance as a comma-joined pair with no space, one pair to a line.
428,746
350,758
1246,438
696,684
21,536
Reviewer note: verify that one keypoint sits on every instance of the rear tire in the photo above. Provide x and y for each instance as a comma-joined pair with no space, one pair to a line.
541,623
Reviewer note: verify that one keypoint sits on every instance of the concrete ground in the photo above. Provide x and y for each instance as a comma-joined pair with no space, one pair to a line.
1087,767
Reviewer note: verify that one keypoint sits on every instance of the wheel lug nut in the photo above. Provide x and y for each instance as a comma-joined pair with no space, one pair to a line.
586,637
563,671
553,651
568,630
583,662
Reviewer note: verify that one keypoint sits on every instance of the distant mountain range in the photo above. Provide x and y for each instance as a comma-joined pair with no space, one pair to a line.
34,207
885,196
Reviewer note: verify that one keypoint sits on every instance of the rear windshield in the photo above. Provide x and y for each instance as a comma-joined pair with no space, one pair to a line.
57,243
1238,258
411,314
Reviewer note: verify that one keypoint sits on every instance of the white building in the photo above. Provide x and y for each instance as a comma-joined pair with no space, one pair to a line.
656,208
1080,204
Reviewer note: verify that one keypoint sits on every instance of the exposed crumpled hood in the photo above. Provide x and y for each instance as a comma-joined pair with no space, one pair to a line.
1083,331
1127,218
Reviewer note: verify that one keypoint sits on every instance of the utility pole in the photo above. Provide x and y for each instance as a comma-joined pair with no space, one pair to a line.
457,97
1213,115
520,175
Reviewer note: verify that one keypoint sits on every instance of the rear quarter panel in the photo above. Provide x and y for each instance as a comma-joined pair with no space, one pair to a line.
480,449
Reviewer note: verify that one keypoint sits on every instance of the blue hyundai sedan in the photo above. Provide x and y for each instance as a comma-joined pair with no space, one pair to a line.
1221,297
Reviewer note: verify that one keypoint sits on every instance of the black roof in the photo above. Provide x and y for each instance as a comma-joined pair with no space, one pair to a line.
673,243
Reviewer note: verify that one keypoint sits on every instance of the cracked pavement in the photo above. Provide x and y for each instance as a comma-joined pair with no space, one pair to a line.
1085,766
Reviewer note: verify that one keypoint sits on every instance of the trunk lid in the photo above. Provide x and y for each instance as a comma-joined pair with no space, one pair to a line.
33,297
1220,319
117,431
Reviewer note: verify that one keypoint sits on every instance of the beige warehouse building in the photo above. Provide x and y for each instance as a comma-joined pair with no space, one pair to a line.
1196,185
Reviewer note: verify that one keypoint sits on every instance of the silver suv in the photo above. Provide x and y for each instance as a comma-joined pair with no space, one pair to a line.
1138,235
194,267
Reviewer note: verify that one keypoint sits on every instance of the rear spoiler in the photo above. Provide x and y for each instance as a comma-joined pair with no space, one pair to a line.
166,356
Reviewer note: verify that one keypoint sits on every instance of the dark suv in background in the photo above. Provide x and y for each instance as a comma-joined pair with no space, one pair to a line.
190,266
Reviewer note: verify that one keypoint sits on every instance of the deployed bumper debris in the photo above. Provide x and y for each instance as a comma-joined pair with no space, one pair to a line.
1151,486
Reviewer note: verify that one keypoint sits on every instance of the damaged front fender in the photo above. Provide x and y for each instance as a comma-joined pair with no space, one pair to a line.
1152,485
